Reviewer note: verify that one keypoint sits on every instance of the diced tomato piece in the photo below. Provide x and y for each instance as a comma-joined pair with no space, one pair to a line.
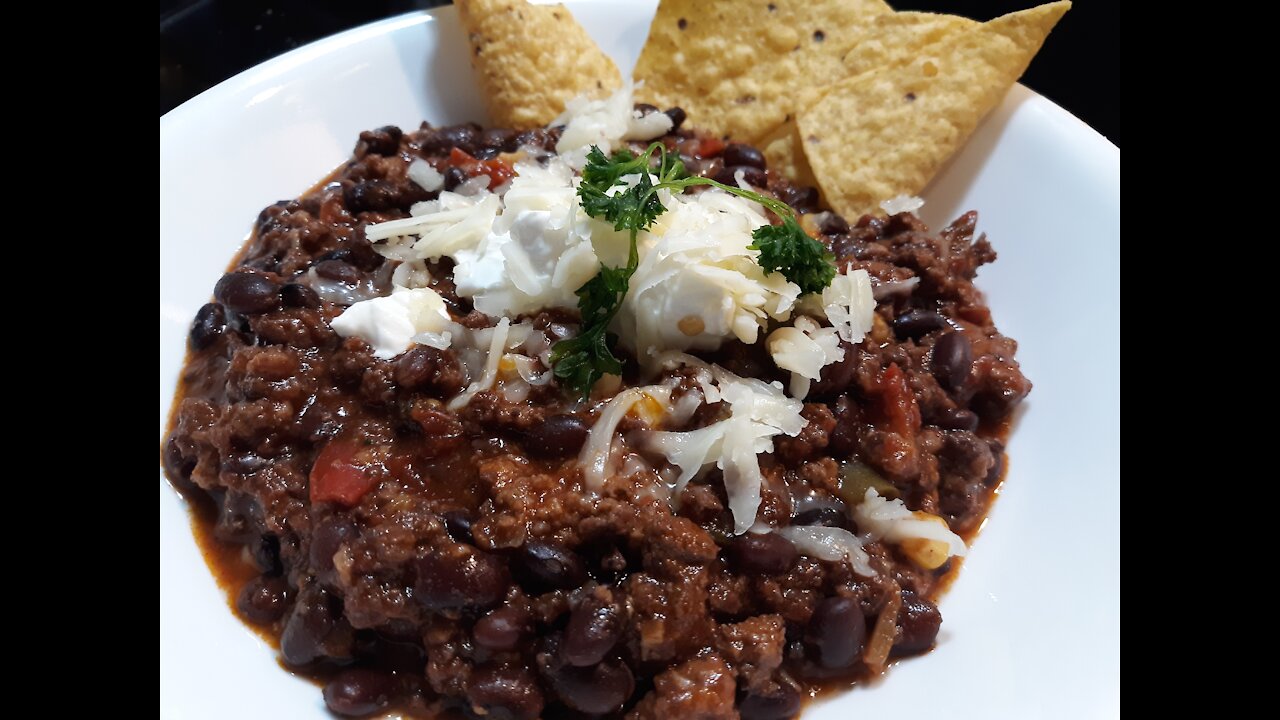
340,476
461,158
499,171
897,404
710,147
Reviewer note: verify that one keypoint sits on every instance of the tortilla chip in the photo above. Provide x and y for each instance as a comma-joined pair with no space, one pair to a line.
886,132
741,66
891,39
899,37
532,59
784,153
1028,28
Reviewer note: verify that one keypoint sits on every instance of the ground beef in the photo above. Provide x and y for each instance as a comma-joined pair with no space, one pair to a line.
464,554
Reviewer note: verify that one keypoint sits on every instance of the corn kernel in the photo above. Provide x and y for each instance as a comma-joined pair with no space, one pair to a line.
648,409
927,554
880,332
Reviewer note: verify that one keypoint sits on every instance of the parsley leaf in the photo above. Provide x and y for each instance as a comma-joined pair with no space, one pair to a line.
785,248
788,249
581,361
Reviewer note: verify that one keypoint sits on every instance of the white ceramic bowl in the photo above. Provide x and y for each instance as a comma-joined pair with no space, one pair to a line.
1032,625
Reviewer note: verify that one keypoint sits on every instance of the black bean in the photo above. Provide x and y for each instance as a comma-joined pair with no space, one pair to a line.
779,703
441,140
303,638
762,554
836,633
539,138
501,629
270,216
363,255
458,524
754,176
239,518
952,360
248,292
298,295
327,536
915,324
957,419
338,253
646,109
210,323
918,623
244,463
500,139
594,628
264,599
804,198
426,368
606,563
374,196
383,141
453,177
833,224
742,154
545,566
359,691
596,690
456,577
177,467
266,554
557,436
994,403
504,693
338,270
678,116
822,516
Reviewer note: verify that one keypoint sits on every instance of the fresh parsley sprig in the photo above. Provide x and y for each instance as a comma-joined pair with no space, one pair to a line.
786,248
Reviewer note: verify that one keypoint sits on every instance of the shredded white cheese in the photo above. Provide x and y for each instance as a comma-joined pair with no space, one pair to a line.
804,349
597,452
830,543
497,348
902,204
437,228
698,283
758,412
605,123
850,305
427,177
890,520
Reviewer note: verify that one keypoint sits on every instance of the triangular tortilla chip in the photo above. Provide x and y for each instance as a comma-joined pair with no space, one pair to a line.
532,59
886,132
897,38
740,66
891,39
783,151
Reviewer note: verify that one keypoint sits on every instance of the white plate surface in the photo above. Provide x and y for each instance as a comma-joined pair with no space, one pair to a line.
1032,625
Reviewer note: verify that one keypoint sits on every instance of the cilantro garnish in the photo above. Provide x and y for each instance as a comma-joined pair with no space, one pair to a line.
785,248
